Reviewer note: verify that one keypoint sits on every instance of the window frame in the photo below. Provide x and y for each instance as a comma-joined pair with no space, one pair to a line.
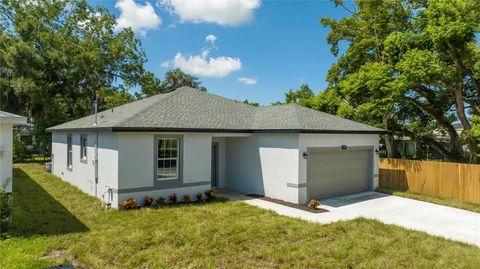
83,148
179,159
69,152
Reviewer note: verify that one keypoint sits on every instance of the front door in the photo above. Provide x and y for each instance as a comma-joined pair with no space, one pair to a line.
215,165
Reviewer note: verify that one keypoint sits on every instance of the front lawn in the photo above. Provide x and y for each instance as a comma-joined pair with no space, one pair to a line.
55,222
433,199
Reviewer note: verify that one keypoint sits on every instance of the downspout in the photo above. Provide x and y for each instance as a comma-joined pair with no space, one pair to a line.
95,162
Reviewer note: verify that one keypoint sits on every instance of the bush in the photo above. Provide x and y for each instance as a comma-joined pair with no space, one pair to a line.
20,152
210,194
147,200
129,204
5,210
173,198
187,198
200,197
313,203
161,201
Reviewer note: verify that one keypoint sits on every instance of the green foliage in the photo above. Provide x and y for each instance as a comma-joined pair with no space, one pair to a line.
250,103
5,211
20,153
56,57
411,67
299,96
175,79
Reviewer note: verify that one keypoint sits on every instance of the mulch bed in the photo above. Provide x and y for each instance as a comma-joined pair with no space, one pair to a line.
285,203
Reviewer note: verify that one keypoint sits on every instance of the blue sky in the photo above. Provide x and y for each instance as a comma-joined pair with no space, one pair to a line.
277,44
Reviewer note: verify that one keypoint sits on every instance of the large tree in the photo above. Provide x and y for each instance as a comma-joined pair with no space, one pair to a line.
57,57
411,67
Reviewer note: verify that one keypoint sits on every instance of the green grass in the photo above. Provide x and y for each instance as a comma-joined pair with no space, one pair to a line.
55,222
433,199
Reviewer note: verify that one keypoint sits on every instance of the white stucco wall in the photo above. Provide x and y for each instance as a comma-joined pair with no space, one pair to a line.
264,164
82,175
6,155
333,140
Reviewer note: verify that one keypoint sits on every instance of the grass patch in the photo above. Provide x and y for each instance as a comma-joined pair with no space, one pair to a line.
54,222
433,199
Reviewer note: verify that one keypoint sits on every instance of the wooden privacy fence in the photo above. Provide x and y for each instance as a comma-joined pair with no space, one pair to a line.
450,180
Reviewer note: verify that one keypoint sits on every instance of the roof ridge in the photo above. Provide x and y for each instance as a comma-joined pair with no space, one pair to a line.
172,93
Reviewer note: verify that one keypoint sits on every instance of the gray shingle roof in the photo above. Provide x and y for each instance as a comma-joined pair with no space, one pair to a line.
188,109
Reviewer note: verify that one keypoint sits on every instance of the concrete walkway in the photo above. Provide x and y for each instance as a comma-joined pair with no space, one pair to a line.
448,222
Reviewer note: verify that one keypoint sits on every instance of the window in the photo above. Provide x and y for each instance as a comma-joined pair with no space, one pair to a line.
167,158
83,147
69,151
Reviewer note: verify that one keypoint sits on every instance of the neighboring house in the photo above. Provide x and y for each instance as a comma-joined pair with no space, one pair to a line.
25,132
188,141
7,121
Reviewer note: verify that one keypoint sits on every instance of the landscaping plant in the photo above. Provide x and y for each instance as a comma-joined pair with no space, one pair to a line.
313,203
187,198
200,196
147,200
173,198
210,194
129,204
161,201
5,211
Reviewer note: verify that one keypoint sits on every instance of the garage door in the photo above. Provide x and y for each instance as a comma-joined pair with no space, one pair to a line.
338,172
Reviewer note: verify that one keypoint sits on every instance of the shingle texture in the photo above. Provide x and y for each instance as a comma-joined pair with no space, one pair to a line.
191,109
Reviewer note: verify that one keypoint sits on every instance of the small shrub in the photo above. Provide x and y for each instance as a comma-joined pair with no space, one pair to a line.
147,200
5,211
161,201
129,204
173,198
200,197
313,203
210,194
187,198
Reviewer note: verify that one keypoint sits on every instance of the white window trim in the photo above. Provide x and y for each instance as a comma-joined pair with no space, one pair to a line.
177,159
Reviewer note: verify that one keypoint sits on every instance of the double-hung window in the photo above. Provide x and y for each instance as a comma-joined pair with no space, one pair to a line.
69,151
168,158
83,147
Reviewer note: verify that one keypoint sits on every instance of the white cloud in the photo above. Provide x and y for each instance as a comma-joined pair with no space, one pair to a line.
165,64
247,81
223,12
202,65
140,18
211,38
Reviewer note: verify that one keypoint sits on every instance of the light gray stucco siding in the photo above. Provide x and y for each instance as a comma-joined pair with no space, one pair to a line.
265,164
82,174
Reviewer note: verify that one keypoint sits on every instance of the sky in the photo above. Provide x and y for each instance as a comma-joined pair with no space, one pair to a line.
240,49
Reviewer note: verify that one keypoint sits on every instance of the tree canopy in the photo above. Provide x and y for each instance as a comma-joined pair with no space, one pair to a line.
409,66
57,57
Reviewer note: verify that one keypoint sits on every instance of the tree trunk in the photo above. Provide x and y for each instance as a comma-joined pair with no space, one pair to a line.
388,138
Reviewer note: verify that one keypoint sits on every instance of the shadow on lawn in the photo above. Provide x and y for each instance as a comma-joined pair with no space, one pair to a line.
36,212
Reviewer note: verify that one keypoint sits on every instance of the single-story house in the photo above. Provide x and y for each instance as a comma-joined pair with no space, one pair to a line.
7,121
188,141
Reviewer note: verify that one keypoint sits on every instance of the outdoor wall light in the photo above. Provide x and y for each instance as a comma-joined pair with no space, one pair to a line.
305,155
377,151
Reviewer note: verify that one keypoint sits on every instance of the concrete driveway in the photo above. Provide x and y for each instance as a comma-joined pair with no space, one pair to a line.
431,218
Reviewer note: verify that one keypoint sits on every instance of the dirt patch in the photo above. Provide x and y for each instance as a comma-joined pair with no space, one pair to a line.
285,203
62,255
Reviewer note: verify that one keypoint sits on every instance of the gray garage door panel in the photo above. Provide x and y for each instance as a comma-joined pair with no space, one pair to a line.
335,173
